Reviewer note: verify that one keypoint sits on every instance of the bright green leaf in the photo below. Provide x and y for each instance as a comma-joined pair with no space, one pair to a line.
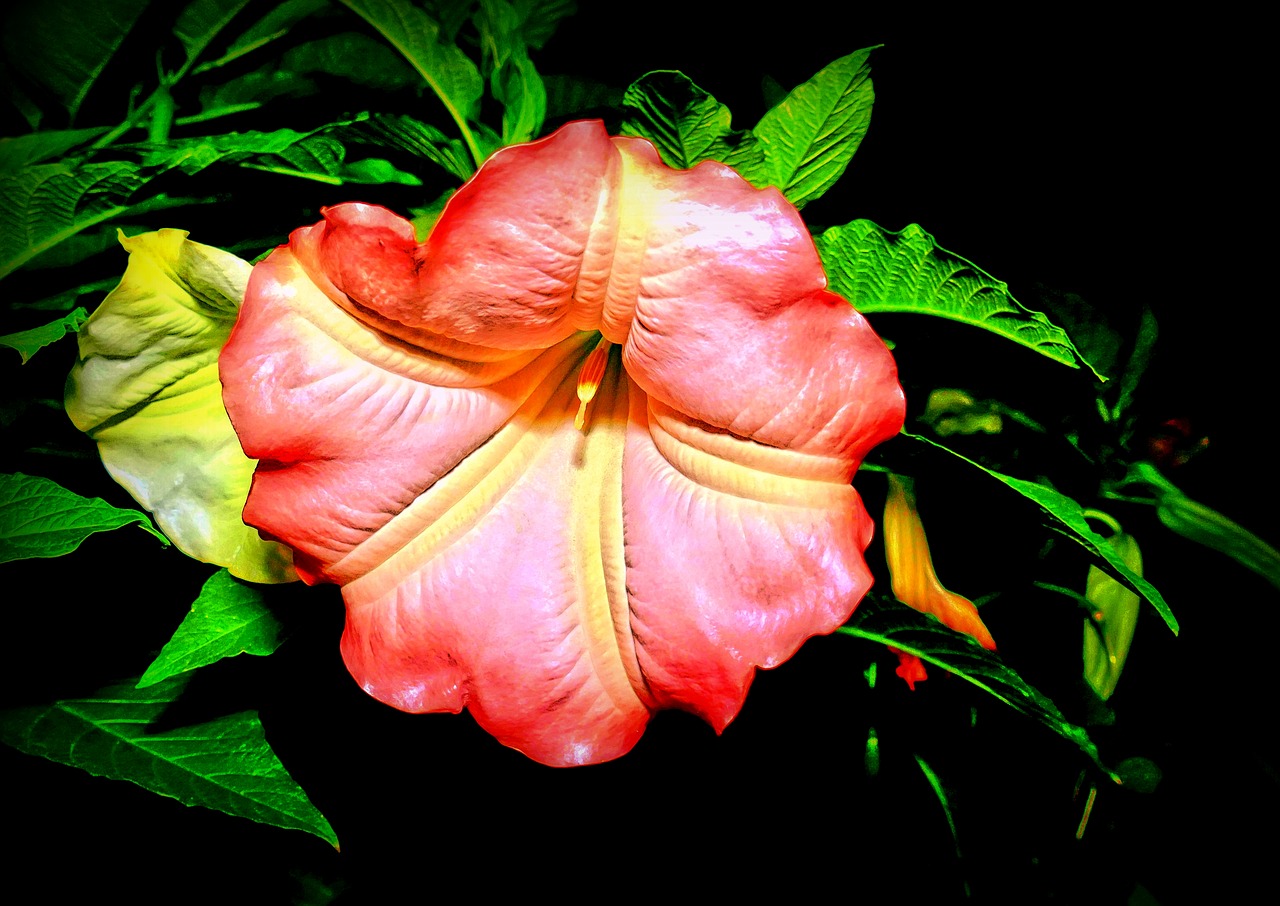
688,125
146,390
809,138
1065,517
66,45
227,619
29,342
877,270
1111,621
40,518
223,764
420,139
447,70
517,85
890,623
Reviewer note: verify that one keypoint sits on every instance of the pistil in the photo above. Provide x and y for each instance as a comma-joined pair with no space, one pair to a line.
589,380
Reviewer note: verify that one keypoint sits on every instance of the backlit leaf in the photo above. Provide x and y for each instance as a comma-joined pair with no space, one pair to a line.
688,125
809,138
877,270
40,518
1063,516
228,618
223,764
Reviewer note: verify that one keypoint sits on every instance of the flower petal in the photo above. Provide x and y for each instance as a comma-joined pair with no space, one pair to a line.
146,390
413,407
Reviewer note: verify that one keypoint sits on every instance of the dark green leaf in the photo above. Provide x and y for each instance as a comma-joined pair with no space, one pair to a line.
445,68
203,20
25,150
29,342
224,764
538,18
352,56
809,138
1065,517
890,623
66,45
272,26
227,619
420,139
40,518
68,298
569,95
688,125
877,270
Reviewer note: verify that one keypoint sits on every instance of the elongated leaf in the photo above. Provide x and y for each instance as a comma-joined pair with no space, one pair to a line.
25,150
878,270
421,139
1064,516
513,79
203,20
224,764
146,389
879,620
272,26
29,342
446,69
66,45
40,518
811,136
227,619
688,125
539,18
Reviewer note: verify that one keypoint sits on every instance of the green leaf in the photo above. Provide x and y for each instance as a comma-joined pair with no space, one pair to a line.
223,764
687,125
538,19
40,518
227,619
1065,517
201,21
569,95
146,389
271,27
890,623
29,342
25,150
513,80
809,138
43,204
877,270
447,70
66,45
420,139
353,56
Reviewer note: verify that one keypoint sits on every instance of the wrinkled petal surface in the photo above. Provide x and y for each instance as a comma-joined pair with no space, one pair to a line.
413,410
146,389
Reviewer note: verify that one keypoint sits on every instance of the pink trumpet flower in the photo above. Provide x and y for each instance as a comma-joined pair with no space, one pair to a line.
582,455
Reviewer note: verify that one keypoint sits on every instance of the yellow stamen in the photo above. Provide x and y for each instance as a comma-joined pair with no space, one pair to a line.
589,380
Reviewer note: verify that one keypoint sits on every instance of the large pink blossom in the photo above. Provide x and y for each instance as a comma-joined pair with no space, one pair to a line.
413,409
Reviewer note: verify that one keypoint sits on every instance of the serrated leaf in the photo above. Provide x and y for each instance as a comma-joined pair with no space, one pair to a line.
1065,517
447,70
688,125
878,620
228,618
809,138
40,518
203,20
29,342
224,764
66,45
877,270
146,389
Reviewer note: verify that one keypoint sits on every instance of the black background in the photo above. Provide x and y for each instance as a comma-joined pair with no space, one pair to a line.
1059,150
